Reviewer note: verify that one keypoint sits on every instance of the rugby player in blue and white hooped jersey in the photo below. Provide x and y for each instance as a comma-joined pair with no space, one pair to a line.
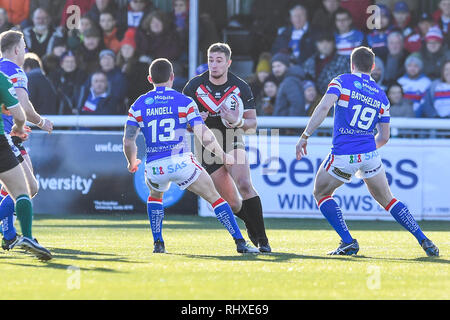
360,107
164,115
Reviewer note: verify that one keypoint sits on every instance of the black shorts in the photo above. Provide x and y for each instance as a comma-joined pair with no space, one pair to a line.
18,142
211,165
8,160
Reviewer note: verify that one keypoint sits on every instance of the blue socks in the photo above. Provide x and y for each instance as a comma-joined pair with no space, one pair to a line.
333,213
155,212
7,217
402,215
226,217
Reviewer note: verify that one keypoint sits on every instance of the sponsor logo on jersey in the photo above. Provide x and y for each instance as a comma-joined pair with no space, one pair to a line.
149,100
357,84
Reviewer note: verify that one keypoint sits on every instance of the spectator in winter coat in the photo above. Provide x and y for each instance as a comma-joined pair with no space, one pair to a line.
395,59
298,38
434,53
18,11
400,107
437,99
326,63
290,100
347,37
414,82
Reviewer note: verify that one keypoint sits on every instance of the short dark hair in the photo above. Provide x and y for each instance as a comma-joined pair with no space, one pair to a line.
9,39
160,70
32,61
363,59
220,47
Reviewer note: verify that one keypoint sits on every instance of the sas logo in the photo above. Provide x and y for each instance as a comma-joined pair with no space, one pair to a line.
357,84
149,100
171,196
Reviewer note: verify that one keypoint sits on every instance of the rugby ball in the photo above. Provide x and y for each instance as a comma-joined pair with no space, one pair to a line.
234,102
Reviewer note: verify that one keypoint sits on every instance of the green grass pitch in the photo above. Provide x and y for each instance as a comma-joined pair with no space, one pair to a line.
110,257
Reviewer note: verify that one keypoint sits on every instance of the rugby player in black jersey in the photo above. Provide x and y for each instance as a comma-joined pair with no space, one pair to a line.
210,90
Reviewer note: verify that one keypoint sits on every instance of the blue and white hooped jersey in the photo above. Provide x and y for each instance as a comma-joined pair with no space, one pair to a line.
360,106
163,116
19,80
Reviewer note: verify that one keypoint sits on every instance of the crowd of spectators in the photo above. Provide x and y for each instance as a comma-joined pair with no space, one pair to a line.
98,64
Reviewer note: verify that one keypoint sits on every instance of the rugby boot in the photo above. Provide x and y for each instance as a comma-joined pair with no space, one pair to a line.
430,248
243,247
346,249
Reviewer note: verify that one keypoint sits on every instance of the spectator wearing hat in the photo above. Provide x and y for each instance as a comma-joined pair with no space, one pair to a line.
413,43
296,39
5,25
437,99
290,100
347,37
377,39
402,20
434,53
58,46
414,83
400,107
442,18
110,32
135,71
68,80
116,79
96,98
395,59
312,97
326,63
89,50
265,102
41,91
262,71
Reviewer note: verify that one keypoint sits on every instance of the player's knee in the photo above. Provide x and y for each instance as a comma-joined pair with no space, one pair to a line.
34,188
245,187
318,194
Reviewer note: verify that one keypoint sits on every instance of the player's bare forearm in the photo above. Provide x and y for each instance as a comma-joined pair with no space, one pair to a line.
209,141
320,113
18,116
32,115
129,143
383,135
250,122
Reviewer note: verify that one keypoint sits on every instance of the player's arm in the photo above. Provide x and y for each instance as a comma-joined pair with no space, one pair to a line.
209,141
31,113
383,135
319,114
250,122
130,148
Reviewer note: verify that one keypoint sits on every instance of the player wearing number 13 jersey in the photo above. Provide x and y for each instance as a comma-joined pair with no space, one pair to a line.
163,115
360,107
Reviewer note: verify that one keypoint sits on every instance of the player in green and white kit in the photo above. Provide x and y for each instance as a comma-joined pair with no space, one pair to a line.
12,176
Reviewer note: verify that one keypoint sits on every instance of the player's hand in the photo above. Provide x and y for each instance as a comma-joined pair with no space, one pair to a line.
133,167
231,116
24,135
301,148
47,125
204,115
18,131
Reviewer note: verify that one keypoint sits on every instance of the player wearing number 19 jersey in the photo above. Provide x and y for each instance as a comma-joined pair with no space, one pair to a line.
360,106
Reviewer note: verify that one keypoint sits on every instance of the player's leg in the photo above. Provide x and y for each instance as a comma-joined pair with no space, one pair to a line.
379,189
16,185
324,186
251,203
29,175
203,186
155,211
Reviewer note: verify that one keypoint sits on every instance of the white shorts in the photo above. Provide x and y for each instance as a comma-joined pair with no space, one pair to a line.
183,170
363,165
